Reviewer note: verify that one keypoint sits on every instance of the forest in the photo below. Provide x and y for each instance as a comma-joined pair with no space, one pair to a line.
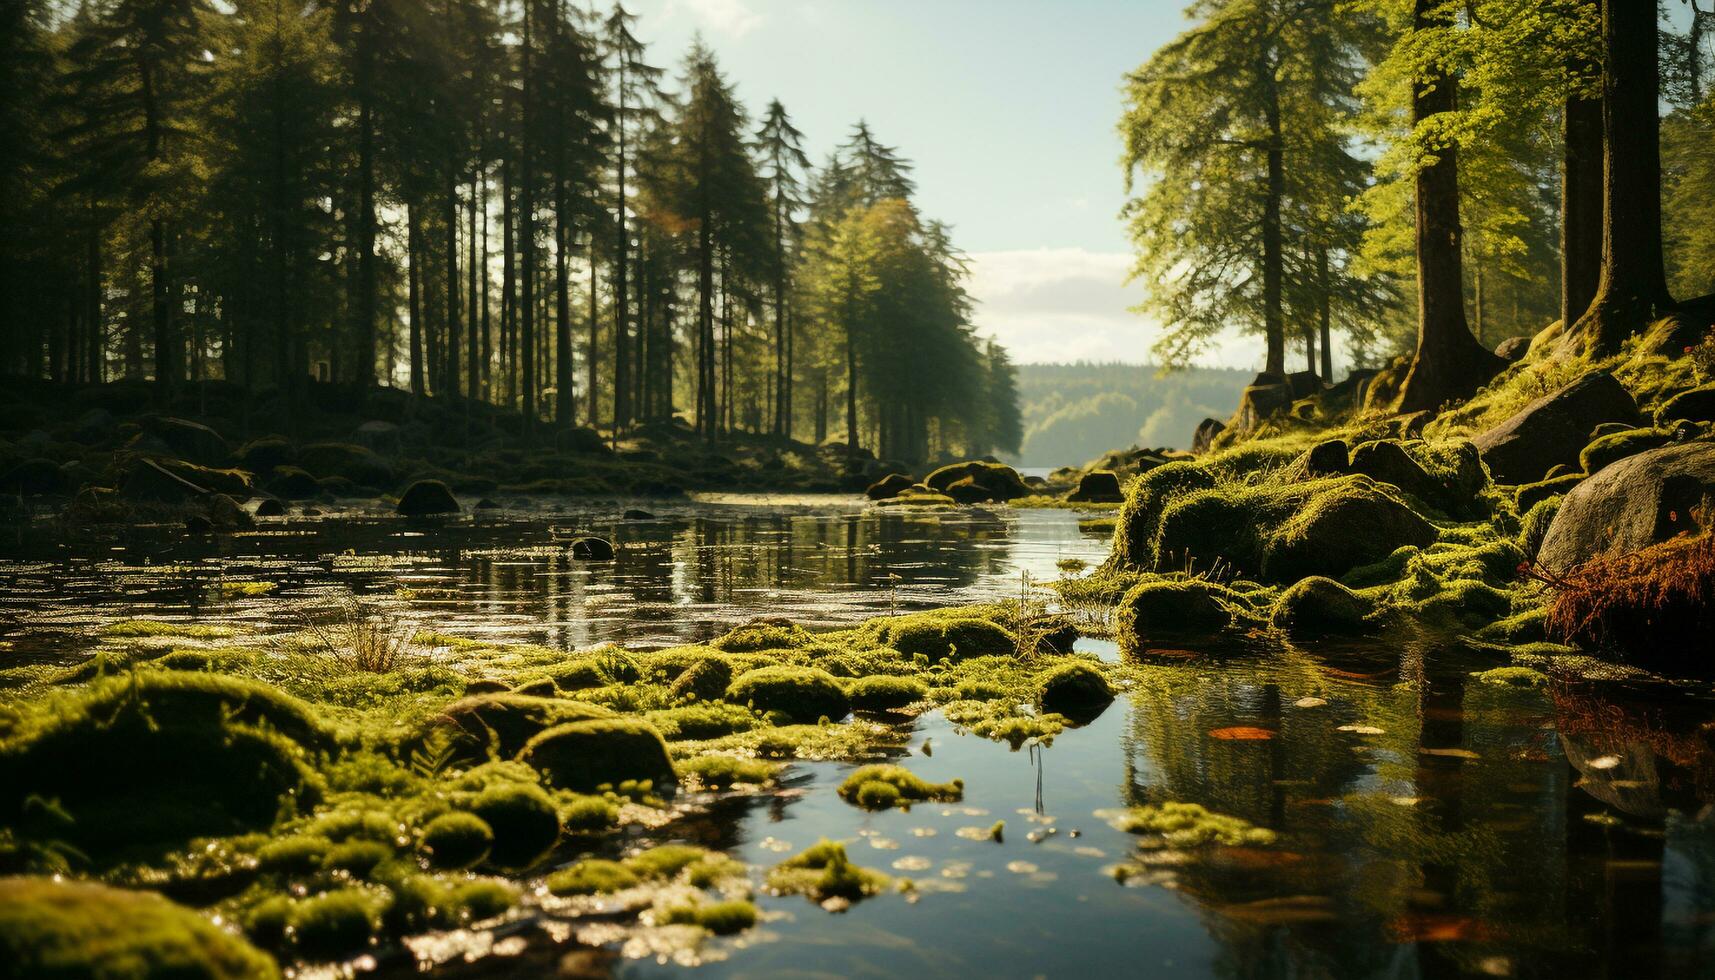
505,202
1073,413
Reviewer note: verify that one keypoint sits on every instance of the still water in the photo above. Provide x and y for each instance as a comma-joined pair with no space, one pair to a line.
1429,824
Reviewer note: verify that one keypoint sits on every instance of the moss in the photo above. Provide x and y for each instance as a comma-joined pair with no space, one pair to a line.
702,720
1340,525
1519,628
1533,527
1173,607
1616,446
722,771
763,635
457,840
592,877
590,814
665,860
1512,677
51,928
484,898
333,924
1528,496
1075,690
131,628
523,820
802,694
939,637
1316,607
1190,825
585,755
503,723
720,918
823,871
883,692
298,854
704,680
156,758
357,858
878,787
1146,500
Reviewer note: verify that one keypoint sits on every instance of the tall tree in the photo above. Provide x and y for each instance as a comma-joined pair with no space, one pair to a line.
636,95
781,146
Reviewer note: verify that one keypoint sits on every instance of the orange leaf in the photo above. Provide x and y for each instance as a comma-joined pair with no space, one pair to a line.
1242,733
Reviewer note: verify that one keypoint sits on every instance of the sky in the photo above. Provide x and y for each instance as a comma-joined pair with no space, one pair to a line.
1009,110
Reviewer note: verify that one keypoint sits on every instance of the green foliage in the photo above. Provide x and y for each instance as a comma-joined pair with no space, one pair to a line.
882,692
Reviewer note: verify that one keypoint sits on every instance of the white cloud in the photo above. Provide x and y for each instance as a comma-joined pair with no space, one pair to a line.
733,18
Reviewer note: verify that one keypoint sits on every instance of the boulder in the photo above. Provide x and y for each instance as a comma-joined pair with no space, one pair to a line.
804,694
1632,504
1554,428
1386,461
188,440
95,426
265,454
292,483
270,507
35,477
993,481
592,549
1303,384
637,515
1513,349
1330,457
1696,405
888,487
509,720
586,755
1171,608
1075,690
426,498
1349,523
1260,401
1614,446
579,439
150,482
705,680
1203,439
1317,607
355,463
1100,487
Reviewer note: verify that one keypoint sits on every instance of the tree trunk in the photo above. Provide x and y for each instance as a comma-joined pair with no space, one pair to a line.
1324,314
1632,290
527,234
622,387
705,330
565,411
851,394
363,307
473,384
1580,207
1449,364
1273,277
413,275
454,340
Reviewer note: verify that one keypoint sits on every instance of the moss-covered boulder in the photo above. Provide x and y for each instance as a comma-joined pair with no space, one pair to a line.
1100,487
1615,446
938,636
1529,495
585,755
67,929
456,840
988,481
1696,405
884,692
879,787
1386,461
888,487
293,483
188,440
804,694
1345,523
1146,500
1076,690
507,721
427,498
706,679
147,481
1632,504
523,820
1554,428
156,758
1317,607
1173,608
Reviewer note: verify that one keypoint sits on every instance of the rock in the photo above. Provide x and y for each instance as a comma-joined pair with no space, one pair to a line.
967,490
51,927
1203,439
1696,405
1100,487
1172,608
95,426
1303,384
266,454
1075,690
592,549
378,437
579,439
939,637
226,514
637,515
271,507
197,525
804,694
993,481
1260,401
1351,390
1318,606
1513,349
1531,494
1344,525
1614,446
707,679
150,482
1632,504
356,463
291,483
1328,458
426,498
888,487
1554,428
513,719
485,504
189,440
35,477
1387,462
585,755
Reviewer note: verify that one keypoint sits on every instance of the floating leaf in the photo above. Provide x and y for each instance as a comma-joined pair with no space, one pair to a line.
1361,729
1309,702
1242,733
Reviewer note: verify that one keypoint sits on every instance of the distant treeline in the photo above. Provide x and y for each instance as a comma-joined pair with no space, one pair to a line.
1075,412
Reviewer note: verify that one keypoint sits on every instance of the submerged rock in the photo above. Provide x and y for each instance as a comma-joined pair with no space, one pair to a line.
1554,428
592,549
585,755
1632,504
888,487
1076,690
1167,608
426,498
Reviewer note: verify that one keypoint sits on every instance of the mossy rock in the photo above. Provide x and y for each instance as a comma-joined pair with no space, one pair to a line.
707,679
939,637
586,755
524,823
427,498
803,694
1146,500
1210,527
888,487
1695,405
1318,607
764,634
882,786
1345,523
457,840
1075,690
293,483
987,481
509,720
333,924
156,758
883,692
1099,487
356,463
1526,497
823,871
51,928
1170,608
1613,447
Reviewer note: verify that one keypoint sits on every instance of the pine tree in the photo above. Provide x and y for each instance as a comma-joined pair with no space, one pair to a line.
780,145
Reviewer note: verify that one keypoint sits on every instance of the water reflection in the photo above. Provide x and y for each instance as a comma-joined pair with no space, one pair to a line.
688,574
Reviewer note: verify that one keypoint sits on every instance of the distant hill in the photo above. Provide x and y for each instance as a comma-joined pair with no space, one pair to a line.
1075,412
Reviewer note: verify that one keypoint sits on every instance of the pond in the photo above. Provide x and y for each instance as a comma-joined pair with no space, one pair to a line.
1426,821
